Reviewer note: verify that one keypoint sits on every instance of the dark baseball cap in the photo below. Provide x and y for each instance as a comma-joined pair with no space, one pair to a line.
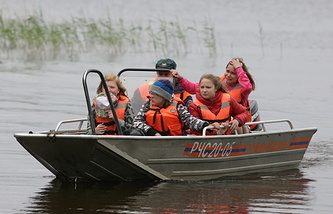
166,64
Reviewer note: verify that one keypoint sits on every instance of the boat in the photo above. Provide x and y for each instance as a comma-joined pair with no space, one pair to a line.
78,155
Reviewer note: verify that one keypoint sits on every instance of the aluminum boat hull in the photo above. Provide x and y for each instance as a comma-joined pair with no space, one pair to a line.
129,158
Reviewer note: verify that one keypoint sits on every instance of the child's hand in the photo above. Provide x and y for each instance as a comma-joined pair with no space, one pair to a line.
110,114
236,63
216,126
233,125
175,74
100,129
220,130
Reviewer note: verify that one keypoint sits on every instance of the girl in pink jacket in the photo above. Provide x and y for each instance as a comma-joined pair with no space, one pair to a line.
237,81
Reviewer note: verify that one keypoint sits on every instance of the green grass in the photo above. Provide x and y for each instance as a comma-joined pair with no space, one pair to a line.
37,39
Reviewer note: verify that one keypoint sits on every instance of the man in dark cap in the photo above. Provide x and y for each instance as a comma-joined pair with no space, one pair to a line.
165,64
140,95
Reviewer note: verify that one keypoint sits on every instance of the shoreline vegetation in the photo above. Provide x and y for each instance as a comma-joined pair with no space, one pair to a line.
34,39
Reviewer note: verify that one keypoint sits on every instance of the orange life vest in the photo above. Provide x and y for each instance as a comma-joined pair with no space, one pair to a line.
144,92
165,120
120,108
222,116
183,95
235,92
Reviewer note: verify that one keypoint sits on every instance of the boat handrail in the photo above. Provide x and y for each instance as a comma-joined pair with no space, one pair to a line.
270,121
211,127
141,69
90,113
255,123
80,120
145,70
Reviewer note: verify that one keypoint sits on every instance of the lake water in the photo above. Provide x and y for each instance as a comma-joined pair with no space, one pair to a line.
292,69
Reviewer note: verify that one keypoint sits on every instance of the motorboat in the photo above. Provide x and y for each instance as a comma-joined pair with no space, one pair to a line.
79,155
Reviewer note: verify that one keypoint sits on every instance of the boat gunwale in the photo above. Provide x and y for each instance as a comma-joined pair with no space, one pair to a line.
129,137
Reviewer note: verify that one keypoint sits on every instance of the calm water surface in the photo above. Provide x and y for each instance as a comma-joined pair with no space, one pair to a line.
296,83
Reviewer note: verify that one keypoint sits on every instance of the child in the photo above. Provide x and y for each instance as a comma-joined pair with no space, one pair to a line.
103,114
212,105
237,81
164,114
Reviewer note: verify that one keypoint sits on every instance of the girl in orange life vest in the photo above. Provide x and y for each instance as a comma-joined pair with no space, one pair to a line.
164,114
213,105
235,77
237,81
104,119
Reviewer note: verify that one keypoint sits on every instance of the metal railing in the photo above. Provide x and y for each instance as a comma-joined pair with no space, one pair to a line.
78,130
211,127
80,121
142,70
90,113
270,121
255,123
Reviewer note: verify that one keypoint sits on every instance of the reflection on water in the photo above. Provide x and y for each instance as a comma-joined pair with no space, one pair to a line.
279,193
58,197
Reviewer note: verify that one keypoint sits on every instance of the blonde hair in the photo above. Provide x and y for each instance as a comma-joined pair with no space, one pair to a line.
246,70
215,80
112,77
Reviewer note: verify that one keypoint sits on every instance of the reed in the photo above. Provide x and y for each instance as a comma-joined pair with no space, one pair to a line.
261,37
210,38
8,34
281,50
47,41
134,36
